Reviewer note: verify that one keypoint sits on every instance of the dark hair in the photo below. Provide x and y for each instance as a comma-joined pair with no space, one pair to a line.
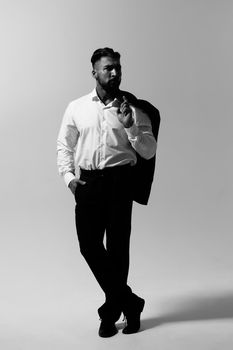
105,52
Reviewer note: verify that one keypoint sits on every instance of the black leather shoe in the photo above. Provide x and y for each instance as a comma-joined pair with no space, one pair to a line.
107,329
132,314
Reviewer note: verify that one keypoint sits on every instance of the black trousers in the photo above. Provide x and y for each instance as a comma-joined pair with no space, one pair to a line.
104,206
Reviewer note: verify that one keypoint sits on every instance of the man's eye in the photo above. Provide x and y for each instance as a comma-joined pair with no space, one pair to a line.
110,68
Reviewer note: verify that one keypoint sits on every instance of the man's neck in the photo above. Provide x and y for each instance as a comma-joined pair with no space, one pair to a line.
105,96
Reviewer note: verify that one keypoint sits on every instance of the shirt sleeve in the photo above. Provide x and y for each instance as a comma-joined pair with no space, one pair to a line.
140,134
66,145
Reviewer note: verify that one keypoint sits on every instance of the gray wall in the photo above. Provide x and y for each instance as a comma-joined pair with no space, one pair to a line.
178,55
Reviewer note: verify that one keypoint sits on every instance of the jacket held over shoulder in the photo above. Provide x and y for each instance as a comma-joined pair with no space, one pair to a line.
143,171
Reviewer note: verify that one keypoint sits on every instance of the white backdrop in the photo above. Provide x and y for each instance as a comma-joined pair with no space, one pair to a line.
176,54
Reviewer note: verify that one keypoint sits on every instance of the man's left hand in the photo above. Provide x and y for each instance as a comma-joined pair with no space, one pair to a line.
126,114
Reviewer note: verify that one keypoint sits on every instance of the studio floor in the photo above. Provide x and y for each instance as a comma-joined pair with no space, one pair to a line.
179,320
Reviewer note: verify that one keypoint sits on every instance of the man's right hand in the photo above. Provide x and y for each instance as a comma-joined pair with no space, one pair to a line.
74,184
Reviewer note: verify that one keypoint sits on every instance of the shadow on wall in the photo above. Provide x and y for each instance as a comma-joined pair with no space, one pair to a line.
194,308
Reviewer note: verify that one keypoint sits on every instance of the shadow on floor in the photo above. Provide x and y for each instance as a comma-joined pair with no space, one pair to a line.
193,308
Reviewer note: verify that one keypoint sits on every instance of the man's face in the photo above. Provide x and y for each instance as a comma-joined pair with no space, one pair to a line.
107,72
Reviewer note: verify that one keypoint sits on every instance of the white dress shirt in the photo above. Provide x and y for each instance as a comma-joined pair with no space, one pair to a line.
92,137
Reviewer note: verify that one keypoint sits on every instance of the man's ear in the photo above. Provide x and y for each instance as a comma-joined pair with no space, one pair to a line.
94,73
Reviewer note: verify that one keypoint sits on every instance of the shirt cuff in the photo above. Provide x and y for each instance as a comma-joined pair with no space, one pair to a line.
68,177
132,132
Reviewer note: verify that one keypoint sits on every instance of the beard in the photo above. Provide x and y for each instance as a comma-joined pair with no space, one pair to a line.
112,86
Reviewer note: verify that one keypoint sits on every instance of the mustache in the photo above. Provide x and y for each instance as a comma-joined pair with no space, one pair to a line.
115,79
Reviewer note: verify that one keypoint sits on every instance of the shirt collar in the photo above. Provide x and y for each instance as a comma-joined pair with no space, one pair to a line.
95,97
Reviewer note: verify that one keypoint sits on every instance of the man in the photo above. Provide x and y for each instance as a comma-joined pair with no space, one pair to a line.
101,136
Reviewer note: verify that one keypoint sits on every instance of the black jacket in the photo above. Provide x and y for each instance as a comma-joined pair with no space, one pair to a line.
143,171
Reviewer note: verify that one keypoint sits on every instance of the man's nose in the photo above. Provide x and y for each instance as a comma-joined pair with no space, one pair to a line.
113,72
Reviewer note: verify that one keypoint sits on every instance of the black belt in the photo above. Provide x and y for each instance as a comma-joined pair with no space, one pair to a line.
106,171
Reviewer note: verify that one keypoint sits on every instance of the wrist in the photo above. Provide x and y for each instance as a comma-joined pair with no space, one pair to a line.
68,177
132,132
129,123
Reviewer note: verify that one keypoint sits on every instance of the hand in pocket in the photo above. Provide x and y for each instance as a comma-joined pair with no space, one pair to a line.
74,184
